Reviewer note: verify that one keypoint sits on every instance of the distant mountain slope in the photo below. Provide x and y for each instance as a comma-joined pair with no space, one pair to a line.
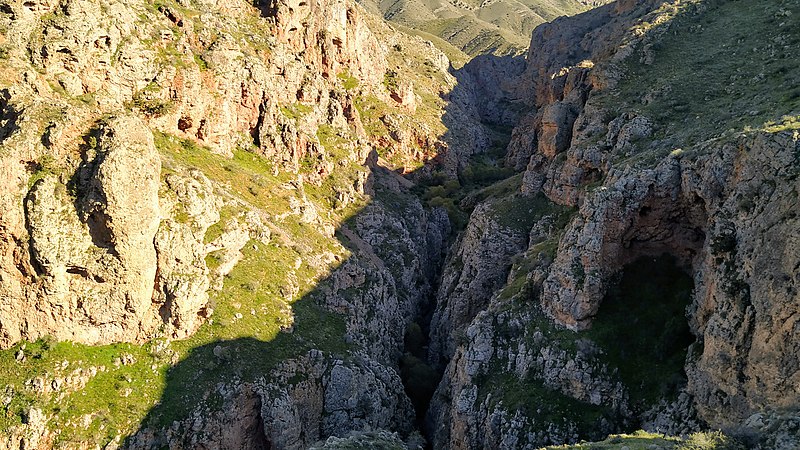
476,27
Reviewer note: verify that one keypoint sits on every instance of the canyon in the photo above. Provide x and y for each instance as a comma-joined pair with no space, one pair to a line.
294,224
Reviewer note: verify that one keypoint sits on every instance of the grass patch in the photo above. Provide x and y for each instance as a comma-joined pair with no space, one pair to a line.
642,440
110,395
349,82
543,405
147,101
786,123
201,63
44,166
456,56
244,174
519,212
296,111
257,301
371,109
226,214
390,81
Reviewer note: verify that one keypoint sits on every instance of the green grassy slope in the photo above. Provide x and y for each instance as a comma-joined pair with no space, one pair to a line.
722,67
642,440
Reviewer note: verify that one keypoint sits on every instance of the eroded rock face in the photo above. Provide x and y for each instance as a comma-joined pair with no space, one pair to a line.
722,210
183,279
657,220
750,283
115,227
94,256
107,260
693,209
101,244
474,272
711,213
296,405
272,90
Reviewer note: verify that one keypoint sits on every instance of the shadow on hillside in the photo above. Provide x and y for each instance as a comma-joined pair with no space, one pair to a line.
206,376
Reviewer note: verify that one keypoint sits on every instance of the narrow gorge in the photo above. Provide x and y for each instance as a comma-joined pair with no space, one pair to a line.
319,224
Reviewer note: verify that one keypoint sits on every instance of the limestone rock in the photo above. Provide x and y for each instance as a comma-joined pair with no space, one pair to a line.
183,277
100,247
333,398
472,274
721,211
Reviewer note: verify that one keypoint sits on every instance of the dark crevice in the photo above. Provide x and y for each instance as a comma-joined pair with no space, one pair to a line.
5,8
88,199
84,272
259,441
643,329
29,199
9,115
419,378
268,8
171,16
184,123
99,230
255,132
165,310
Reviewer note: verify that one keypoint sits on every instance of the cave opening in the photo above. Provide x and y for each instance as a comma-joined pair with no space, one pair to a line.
643,329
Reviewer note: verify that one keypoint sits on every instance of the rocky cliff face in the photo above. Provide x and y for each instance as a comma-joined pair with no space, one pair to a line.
718,203
95,255
202,180
190,76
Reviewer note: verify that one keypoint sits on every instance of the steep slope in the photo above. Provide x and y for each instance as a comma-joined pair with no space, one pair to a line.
205,240
669,299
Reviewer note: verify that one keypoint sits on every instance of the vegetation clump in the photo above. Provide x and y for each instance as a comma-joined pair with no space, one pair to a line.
419,378
642,440
642,328
148,102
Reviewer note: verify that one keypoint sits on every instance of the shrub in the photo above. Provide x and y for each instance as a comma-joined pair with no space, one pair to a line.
415,339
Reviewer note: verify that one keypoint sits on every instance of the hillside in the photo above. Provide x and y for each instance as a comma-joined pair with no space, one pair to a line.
189,193
499,27
666,299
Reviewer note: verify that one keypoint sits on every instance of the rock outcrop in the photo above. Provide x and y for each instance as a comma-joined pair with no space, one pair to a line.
293,407
475,271
194,81
93,255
